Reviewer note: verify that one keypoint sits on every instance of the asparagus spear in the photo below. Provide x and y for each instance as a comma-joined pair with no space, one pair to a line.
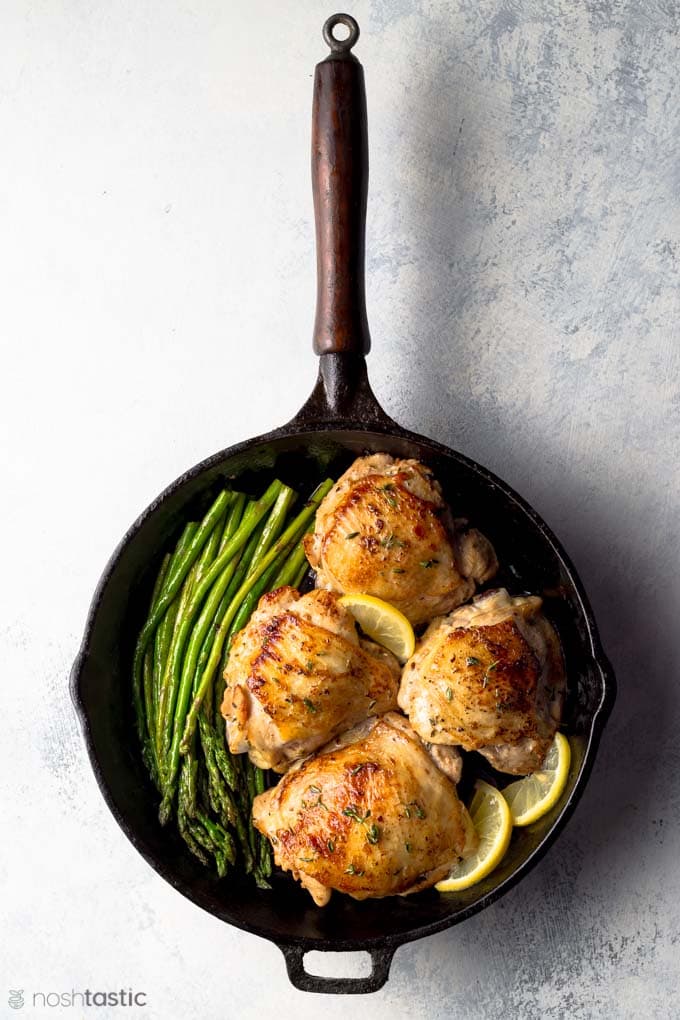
169,683
148,724
165,629
171,589
164,694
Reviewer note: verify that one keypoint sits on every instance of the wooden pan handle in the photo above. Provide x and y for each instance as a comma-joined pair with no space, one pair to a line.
340,187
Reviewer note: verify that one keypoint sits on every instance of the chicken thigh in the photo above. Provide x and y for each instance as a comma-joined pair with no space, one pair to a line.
385,530
490,678
371,815
298,674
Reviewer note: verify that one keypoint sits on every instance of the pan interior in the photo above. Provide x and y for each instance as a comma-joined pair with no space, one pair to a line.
530,562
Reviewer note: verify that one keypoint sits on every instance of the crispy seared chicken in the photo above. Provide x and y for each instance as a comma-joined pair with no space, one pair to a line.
385,530
490,678
370,815
298,674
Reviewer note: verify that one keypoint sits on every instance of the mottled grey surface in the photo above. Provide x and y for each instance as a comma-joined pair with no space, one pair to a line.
157,268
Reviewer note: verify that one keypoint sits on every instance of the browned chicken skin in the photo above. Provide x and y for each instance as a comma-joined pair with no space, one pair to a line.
490,678
370,815
298,674
384,530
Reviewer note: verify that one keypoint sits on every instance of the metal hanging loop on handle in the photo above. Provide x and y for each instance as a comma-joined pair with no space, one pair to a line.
340,46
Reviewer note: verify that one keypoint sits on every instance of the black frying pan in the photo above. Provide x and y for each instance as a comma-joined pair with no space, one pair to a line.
341,420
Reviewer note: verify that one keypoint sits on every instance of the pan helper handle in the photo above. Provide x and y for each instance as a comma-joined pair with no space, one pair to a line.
340,187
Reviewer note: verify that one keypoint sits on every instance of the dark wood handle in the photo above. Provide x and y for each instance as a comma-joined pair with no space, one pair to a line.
340,187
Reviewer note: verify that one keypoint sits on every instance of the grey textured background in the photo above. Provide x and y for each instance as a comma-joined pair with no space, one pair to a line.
156,259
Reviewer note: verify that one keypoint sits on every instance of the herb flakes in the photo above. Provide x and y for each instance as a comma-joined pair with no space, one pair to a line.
373,834
391,541
372,830
352,870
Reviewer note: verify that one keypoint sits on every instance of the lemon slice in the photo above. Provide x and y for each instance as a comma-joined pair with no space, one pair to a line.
530,798
493,822
382,623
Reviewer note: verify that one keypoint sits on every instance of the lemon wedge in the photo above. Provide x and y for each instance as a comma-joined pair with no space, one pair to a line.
532,797
382,623
493,822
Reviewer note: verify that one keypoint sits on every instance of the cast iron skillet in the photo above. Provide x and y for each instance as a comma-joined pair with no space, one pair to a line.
341,420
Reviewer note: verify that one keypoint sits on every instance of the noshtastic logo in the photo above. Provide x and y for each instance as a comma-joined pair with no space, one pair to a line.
124,997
